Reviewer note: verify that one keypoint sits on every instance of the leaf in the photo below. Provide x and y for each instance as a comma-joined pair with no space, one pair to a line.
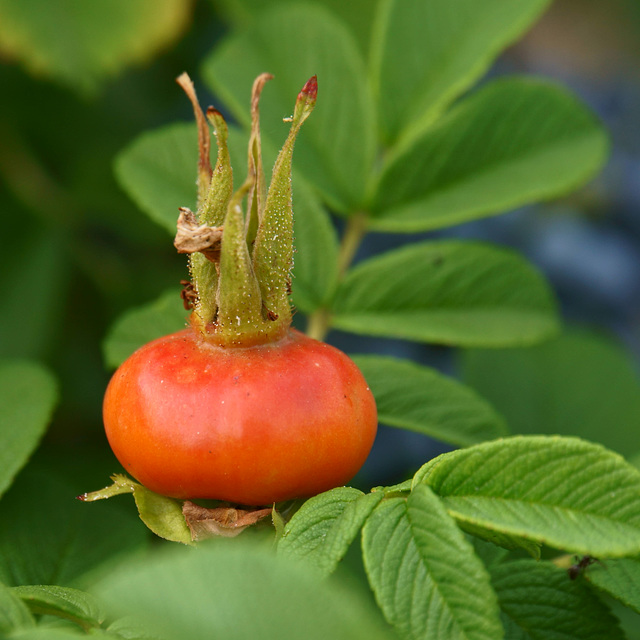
426,577
162,515
457,41
226,522
64,602
322,530
578,384
620,578
539,602
48,537
232,589
82,45
564,492
336,149
158,171
356,14
28,394
514,142
138,326
41,266
410,396
14,614
449,292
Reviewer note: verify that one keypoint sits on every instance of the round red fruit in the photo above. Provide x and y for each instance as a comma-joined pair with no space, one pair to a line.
253,425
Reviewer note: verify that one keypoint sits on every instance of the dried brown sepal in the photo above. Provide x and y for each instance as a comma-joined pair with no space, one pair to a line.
192,237
204,140
225,522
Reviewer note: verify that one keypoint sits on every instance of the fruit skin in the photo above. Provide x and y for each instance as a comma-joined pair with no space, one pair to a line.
253,426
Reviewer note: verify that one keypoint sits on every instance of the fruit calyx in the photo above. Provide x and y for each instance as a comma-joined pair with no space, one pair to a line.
241,243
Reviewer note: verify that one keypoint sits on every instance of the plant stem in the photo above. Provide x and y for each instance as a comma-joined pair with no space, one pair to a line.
319,322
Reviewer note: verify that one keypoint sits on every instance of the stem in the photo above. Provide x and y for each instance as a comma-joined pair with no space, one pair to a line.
319,322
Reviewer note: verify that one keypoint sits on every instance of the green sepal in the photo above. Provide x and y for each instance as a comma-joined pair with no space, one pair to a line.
273,250
239,300
204,272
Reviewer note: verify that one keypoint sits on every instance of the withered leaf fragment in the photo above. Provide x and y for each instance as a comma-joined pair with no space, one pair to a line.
193,237
221,521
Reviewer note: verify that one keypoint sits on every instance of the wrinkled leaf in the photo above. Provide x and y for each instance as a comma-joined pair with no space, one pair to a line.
564,492
620,578
424,573
28,393
449,292
539,602
321,531
411,396
514,142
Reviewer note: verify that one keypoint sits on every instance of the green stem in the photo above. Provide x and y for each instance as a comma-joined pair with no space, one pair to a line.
319,322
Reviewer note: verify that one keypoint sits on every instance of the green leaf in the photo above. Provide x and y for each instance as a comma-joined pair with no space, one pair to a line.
293,42
578,384
449,292
81,45
240,591
14,614
128,628
620,578
158,171
539,602
514,142
321,531
420,399
41,266
564,492
28,393
63,602
48,537
457,41
138,326
356,14
162,515
426,577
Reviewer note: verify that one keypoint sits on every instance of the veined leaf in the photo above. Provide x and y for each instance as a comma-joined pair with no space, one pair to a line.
321,531
138,326
28,393
449,292
426,577
620,578
457,40
514,142
539,602
564,492
293,42
418,398
63,602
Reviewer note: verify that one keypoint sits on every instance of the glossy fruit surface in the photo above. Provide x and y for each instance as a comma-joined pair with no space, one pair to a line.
253,426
